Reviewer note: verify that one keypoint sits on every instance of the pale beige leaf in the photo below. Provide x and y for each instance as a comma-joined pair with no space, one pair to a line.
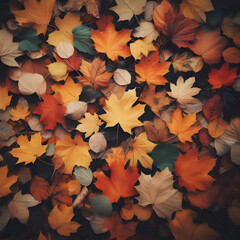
122,77
64,49
75,110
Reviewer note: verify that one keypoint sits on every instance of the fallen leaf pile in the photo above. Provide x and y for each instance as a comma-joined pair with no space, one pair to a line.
120,119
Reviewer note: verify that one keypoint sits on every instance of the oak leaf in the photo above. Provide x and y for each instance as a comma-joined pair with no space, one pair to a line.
6,182
137,149
69,92
193,172
120,111
118,229
151,71
155,100
108,40
92,6
182,126
159,192
29,150
183,91
4,98
40,188
121,182
95,74
196,9
126,9
209,45
19,113
157,130
90,124
73,152
51,110
223,76
65,26
36,13
183,227
61,221
9,50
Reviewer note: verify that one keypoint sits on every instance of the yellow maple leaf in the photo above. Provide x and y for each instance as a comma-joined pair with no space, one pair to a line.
121,111
196,9
69,92
141,48
136,150
19,112
73,152
90,124
182,126
29,150
6,182
65,27
4,98
36,13
61,221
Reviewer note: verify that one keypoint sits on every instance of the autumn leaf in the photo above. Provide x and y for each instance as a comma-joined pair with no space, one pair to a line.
61,221
121,182
184,228
36,13
183,62
95,74
92,6
120,111
136,150
159,192
108,40
222,77
213,107
51,111
196,9
151,71
6,182
19,113
182,126
231,55
118,229
126,9
69,91
155,100
183,91
65,26
157,130
29,150
9,50
40,188
4,98
193,172
73,152
209,45
90,124
217,127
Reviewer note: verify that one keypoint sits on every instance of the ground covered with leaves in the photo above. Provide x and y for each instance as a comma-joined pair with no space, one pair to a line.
120,119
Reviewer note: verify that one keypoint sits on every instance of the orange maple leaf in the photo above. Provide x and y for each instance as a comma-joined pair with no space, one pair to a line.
222,76
95,74
193,172
108,40
121,183
51,110
182,126
40,188
36,14
209,45
151,71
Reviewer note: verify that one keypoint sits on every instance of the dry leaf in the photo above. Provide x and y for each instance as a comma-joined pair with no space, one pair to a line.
4,98
217,127
231,55
122,77
64,49
19,112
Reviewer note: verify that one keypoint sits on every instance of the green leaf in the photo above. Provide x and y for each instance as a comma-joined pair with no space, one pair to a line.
30,40
164,155
82,39
101,205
